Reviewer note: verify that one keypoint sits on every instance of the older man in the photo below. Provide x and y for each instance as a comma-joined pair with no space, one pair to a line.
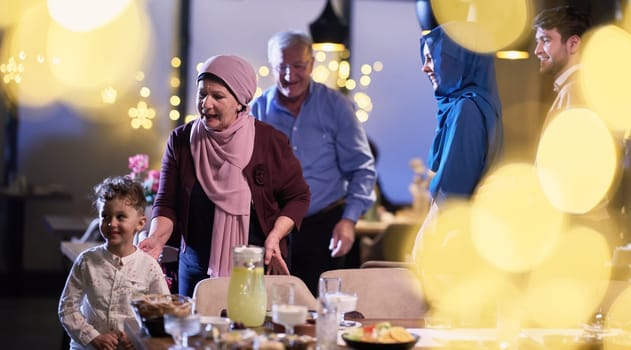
332,148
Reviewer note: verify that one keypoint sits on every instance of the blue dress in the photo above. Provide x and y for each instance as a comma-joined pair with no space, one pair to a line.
469,132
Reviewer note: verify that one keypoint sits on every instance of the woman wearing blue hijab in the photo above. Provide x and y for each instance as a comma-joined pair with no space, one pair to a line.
469,133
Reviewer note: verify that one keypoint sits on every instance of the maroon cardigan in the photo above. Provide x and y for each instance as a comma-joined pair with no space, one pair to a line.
274,176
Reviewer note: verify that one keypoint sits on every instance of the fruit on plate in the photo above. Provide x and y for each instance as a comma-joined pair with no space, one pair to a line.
382,332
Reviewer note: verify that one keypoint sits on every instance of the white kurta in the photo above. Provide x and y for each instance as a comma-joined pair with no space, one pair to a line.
99,289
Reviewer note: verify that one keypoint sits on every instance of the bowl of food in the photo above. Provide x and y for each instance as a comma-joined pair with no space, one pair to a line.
382,336
150,309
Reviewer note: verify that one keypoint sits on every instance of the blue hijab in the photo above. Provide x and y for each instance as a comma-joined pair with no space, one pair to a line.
462,75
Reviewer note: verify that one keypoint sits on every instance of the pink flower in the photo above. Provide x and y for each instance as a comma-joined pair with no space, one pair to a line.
150,179
138,163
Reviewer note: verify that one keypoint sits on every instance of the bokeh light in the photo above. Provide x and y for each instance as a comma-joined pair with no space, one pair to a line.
485,25
109,55
85,15
578,161
12,11
606,73
513,225
618,315
566,289
23,47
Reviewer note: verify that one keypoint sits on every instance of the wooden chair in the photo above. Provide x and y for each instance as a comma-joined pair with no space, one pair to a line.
388,292
211,294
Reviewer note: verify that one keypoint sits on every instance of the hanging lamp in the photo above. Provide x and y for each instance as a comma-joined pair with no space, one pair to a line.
329,32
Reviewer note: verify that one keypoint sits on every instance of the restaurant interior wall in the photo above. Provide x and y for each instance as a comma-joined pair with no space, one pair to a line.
76,149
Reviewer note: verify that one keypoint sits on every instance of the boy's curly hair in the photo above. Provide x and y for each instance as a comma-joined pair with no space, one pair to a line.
120,187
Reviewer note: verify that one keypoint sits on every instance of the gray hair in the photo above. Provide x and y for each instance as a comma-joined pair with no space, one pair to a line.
290,38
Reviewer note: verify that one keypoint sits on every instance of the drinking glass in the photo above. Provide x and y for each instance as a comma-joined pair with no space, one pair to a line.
327,325
284,309
180,328
329,285
346,302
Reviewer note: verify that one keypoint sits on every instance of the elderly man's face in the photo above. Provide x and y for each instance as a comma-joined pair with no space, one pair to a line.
292,70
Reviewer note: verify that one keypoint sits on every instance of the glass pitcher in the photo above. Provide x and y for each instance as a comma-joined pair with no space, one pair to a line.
247,299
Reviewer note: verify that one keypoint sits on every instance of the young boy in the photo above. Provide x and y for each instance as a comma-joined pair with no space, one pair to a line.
103,280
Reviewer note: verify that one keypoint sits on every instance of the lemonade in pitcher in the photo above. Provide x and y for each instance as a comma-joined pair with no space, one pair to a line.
247,299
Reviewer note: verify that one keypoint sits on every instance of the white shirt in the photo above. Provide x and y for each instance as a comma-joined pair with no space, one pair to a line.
568,94
97,295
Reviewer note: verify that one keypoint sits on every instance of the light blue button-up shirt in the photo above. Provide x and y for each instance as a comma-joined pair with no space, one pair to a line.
331,145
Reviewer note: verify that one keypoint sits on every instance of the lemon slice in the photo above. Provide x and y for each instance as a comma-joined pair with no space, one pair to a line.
401,335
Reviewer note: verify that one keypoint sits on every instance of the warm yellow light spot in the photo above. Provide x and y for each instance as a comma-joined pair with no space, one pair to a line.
445,255
175,100
363,101
107,56
141,115
176,62
512,55
28,75
11,12
365,69
341,82
198,66
174,82
190,117
377,66
140,76
485,25
618,315
513,226
605,75
474,300
174,114
328,47
565,289
263,71
345,69
40,59
334,65
578,161
350,84
85,15
258,92
320,73
145,91
108,95
361,115
320,56
626,19
364,80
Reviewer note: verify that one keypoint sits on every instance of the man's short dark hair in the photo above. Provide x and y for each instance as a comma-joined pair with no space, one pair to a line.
568,20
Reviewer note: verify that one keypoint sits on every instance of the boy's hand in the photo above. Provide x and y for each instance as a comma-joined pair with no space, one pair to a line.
105,341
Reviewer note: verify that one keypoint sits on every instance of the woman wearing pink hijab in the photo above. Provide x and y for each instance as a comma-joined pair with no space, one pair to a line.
226,180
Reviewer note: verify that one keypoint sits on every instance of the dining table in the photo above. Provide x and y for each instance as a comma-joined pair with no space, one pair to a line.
430,337
143,341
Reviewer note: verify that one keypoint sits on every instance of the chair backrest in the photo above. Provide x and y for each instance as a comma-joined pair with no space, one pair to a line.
211,294
389,292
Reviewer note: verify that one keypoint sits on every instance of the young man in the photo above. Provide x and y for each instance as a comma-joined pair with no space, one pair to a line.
559,33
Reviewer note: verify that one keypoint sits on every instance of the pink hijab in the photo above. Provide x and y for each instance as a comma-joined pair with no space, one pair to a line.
220,157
